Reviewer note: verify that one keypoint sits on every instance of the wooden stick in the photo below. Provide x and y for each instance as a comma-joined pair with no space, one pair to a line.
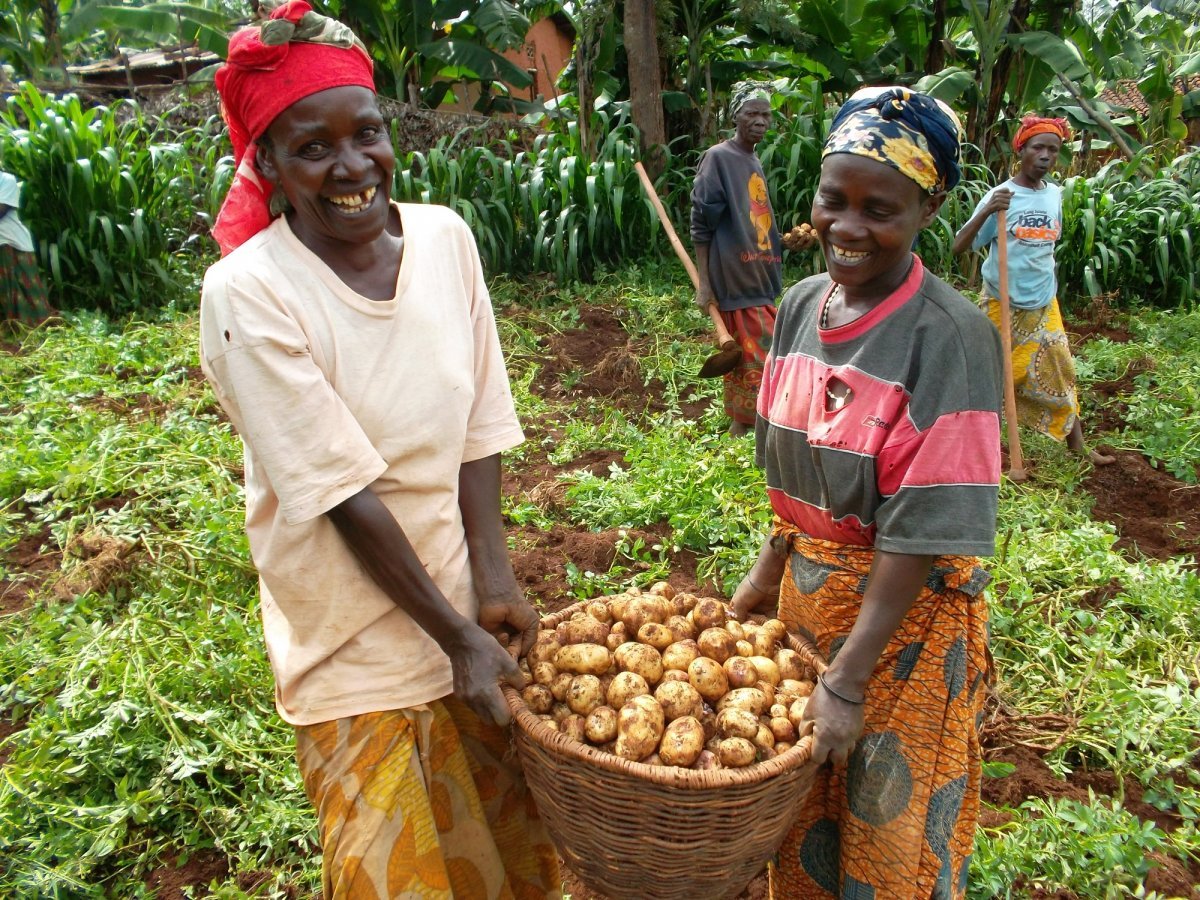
723,335
1016,464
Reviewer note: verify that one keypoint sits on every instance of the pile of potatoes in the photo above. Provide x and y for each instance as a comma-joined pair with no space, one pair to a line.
668,679
801,237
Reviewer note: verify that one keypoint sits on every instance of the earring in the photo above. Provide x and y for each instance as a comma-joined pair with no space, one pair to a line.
278,204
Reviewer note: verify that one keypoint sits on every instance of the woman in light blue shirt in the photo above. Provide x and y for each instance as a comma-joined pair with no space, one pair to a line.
22,292
1043,370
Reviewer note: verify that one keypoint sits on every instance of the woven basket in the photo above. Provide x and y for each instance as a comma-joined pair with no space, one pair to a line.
630,830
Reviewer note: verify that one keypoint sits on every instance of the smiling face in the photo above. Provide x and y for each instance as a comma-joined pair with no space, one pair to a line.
1038,156
752,122
866,215
331,155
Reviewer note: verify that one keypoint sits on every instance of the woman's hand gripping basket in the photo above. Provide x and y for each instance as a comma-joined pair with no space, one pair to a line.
659,739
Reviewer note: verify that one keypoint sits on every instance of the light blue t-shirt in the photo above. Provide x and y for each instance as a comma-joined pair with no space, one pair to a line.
12,229
1034,223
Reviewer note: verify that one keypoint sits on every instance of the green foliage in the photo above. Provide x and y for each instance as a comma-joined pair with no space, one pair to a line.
1132,235
1093,849
111,205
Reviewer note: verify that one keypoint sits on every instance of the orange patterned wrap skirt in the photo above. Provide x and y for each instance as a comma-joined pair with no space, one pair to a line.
752,329
898,822
426,802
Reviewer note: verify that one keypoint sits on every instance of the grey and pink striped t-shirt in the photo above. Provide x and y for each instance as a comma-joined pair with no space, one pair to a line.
909,461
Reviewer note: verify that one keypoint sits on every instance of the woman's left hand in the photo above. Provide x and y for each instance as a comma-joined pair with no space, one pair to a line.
511,620
835,725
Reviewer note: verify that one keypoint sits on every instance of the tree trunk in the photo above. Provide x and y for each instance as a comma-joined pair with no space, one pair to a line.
645,80
935,55
1000,73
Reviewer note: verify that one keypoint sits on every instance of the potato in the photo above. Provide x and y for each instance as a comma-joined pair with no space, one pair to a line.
538,698
544,673
560,711
662,589
734,627
765,753
775,628
735,722
544,649
616,638
764,643
796,712
560,685
768,693
740,672
639,728
782,747
764,740
617,605
600,726
706,761
791,665
709,613
583,659
549,722
767,670
652,760
680,654
683,603
791,689
736,752
674,675
583,630
783,729
717,643
708,720
682,742
778,710
584,694
640,610
707,677
679,699
750,699
745,648
625,686
712,743
640,658
599,611
573,727
681,628
655,634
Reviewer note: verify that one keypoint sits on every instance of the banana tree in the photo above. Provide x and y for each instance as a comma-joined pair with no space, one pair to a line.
424,46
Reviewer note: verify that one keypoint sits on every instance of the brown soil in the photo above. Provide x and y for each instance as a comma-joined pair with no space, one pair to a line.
32,561
178,882
1155,513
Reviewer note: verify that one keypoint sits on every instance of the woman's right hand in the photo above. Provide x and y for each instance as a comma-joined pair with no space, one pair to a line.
479,663
835,724
752,599
704,297
1001,199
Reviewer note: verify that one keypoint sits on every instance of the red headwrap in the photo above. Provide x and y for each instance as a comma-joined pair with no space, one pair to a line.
293,55
1031,125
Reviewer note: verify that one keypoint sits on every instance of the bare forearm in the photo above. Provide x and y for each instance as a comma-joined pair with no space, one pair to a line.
893,584
704,289
380,545
966,234
487,548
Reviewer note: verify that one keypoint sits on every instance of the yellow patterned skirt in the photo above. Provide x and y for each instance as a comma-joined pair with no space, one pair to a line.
898,821
427,802
1043,370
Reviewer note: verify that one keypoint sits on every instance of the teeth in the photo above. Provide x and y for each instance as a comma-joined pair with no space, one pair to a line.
354,202
848,256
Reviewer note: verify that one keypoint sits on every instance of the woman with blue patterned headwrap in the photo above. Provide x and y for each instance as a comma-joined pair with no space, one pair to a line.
878,426
738,255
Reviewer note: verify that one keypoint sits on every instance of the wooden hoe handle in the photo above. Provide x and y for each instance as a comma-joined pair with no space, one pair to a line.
1016,463
723,336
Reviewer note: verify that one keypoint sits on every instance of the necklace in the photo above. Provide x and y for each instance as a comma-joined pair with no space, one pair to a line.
837,400
824,322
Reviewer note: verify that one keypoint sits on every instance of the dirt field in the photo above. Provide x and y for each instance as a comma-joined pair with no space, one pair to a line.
1152,512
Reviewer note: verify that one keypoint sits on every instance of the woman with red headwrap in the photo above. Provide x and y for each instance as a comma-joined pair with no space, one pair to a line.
372,477
1043,371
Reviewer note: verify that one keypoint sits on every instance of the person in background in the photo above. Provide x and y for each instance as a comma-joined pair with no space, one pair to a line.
23,296
879,430
738,249
372,478
1043,370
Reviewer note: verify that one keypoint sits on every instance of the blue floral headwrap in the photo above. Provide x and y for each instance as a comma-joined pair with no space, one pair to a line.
913,133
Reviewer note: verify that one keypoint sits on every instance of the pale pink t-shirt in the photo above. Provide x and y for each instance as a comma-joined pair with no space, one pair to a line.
332,392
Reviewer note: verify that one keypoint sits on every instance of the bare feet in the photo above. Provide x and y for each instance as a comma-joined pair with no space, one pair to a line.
1100,459
1075,442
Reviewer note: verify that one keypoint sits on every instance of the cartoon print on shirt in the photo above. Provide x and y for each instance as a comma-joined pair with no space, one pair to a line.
760,210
